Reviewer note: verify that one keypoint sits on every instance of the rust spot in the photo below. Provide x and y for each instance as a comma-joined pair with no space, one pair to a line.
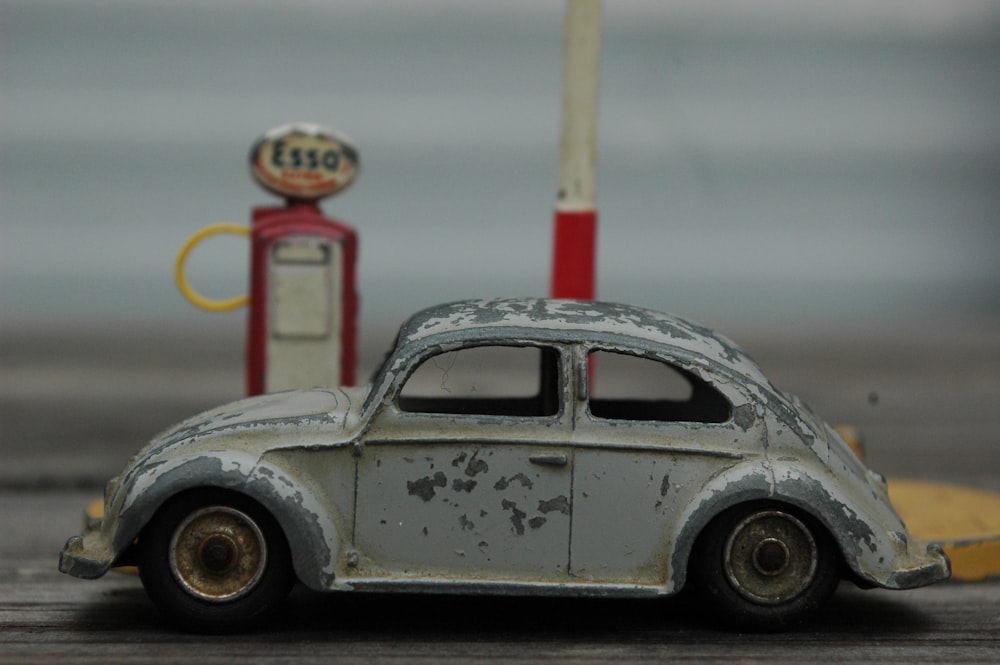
458,460
536,522
465,523
459,485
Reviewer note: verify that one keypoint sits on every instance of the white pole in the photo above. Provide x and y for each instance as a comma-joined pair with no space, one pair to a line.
581,85
573,274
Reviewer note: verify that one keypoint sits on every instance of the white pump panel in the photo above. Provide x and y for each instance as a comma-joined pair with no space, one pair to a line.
304,308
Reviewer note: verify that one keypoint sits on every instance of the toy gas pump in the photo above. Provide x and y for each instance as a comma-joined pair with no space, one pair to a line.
302,324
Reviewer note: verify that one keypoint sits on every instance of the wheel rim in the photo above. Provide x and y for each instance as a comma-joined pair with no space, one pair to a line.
770,557
218,554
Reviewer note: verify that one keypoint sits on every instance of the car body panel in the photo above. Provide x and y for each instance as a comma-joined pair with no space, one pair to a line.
632,479
371,495
472,508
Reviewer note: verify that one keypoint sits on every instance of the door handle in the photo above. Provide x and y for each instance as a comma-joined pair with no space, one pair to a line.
549,460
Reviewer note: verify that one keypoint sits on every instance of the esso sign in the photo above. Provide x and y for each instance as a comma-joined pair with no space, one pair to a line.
304,162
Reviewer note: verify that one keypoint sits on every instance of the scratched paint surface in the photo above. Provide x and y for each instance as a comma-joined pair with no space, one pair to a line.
593,319
556,496
626,507
481,511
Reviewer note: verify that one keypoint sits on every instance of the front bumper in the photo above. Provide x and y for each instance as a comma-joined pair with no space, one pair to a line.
87,556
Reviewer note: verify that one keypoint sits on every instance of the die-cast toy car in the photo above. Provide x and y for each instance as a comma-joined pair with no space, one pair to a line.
511,446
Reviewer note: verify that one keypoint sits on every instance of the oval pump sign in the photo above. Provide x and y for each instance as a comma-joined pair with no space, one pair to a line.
304,161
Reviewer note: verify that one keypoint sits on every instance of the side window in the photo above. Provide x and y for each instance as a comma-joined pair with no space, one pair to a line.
485,380
628,387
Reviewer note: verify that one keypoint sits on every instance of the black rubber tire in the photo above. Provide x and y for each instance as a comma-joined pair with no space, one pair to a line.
789,590
271,574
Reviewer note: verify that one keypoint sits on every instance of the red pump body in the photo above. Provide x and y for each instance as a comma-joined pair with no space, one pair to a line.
302,328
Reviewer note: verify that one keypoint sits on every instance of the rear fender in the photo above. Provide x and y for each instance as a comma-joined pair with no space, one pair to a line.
740,484
868,551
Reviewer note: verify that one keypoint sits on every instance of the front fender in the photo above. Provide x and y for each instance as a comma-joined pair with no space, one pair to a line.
133,499
312,537
149,487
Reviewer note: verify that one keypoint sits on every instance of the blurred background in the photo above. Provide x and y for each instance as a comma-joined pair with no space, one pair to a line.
776,162
819,181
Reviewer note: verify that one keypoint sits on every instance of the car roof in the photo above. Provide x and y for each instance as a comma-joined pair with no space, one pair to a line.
577,321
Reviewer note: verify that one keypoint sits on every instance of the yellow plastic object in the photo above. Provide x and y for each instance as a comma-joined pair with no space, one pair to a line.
93,513
964,520
182,283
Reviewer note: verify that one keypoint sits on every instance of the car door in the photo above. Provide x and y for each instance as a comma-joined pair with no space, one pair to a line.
466,473
648,435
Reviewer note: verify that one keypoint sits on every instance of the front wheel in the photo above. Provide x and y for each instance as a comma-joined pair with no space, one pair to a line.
213,561
765,567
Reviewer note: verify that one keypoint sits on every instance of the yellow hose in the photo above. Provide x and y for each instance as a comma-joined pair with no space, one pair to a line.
193,296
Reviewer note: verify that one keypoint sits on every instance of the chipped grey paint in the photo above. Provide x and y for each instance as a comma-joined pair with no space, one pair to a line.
424,487
743,416
665,484
371,497
476,466
591,320
312,522
516,516
505,482
493,519
228,470
224,448
450,326
559,504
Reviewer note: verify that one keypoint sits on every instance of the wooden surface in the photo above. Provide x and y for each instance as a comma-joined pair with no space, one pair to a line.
72,409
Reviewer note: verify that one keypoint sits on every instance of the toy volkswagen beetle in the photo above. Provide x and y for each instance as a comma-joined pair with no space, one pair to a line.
516,472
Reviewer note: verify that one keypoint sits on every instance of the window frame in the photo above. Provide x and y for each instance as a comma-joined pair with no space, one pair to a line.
561,359
693,374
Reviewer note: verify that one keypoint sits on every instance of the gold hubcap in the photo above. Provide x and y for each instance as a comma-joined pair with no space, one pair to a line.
770,557
218,554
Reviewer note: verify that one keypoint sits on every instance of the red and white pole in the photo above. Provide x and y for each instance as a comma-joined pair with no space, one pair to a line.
573,271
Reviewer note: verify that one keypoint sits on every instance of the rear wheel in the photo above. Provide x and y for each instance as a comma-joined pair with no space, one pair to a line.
765,566
214,561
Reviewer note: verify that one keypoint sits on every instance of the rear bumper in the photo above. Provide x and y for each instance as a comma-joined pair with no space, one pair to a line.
930,566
